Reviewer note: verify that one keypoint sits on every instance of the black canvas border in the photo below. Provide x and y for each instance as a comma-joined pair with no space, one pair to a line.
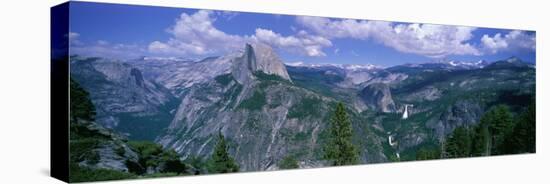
59,91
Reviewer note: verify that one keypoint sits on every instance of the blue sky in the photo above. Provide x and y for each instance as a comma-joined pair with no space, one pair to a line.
126,32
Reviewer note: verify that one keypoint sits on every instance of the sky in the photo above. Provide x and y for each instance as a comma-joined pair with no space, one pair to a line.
128,32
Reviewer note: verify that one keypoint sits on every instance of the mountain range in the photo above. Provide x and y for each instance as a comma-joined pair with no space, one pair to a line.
269,110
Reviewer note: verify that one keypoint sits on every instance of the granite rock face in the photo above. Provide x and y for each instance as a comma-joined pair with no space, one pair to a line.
378,96
267,114
179,74
109,151
267,61
262,114
257,58
462,113
124,99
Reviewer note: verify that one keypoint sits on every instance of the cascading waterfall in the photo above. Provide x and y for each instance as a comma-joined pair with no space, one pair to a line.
406,112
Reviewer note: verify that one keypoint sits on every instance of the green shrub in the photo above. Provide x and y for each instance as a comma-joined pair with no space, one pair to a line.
157,175
81,105
152,155
308,106
83,174
120,151
224,79
255,102
288,162
428,154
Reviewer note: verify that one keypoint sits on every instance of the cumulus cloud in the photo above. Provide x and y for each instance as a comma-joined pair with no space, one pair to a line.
303,43
195,34
423,39
514,40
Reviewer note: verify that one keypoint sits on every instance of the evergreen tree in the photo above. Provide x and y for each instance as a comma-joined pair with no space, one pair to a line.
458,144
81,106
172,162
522,138
480,140
221,161
340,149
500,124
428,154
288,163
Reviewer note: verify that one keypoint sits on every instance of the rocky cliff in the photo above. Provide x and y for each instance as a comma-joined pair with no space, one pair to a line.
264,116
257,58
125,100
267,114
378,97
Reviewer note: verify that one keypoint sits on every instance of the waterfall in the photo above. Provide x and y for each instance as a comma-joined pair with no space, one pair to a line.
390,141
406,112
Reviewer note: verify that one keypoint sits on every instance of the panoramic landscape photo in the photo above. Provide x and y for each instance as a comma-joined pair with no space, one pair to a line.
159,91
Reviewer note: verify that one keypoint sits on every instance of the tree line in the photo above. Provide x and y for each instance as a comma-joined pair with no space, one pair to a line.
498,132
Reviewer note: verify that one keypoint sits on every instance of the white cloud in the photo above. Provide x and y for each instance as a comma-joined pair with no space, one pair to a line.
73,38
196,34
102,48
227,15
514,40
73,35
105,49
423,39
303,43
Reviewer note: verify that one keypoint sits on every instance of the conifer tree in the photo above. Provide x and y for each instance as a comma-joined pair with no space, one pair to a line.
500,124
340,149
221,161
480,140
522,137
458,144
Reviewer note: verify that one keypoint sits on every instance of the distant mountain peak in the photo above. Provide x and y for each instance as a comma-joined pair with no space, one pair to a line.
513,59
511,62
450,64
258,57
156,58
268,61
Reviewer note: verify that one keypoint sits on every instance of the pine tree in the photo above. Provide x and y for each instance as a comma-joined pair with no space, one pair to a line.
221,161
340,149
526,129
458,144
522,137
480,140
428,153
500,124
